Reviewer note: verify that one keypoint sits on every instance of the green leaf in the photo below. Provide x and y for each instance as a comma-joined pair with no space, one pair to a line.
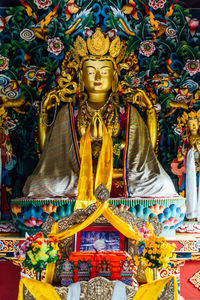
88,22
50,65
37,47
19,44
133,44
167,44
12,73
188,52
183,31
179,12
151,63
179,47
28,92
113,22
143,30
171,23
165,99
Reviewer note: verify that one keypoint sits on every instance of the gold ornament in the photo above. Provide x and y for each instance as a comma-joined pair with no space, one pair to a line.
98,44
122,52
115,47
182,121
80,46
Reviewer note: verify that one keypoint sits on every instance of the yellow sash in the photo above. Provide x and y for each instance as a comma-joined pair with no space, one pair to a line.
39,290
51,267
104,168
151,290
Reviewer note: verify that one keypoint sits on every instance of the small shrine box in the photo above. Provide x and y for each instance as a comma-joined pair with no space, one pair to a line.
101,262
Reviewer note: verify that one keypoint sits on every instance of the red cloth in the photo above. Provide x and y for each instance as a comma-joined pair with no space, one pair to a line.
9,280
5,210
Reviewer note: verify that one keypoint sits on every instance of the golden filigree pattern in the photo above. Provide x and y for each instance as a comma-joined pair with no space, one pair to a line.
98,44
8,245
169,272
195,256
168,292
80,46
195,280
98,288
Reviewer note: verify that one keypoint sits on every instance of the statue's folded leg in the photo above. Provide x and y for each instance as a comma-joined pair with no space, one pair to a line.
58,168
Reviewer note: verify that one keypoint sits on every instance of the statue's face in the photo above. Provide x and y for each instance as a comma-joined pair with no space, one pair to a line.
193,126
98,75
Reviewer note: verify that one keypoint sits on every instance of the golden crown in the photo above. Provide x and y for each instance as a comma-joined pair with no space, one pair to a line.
182,121
99,45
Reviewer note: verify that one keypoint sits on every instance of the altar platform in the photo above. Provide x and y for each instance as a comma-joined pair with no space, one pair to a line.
185,267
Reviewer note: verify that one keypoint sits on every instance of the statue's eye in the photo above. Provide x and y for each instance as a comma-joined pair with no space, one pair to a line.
104,72
91,72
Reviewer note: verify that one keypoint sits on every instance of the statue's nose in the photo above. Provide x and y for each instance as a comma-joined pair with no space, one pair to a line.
97,75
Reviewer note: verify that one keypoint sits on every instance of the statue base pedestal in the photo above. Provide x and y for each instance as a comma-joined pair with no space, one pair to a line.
30,213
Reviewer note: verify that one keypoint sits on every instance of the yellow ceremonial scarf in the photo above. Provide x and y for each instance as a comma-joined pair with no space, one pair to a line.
39,290
151,290
104,168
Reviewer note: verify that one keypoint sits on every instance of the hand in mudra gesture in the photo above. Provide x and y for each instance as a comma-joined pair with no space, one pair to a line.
50,101
96,127
141,98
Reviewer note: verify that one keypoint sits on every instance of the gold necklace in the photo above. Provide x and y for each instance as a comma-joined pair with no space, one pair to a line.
108,112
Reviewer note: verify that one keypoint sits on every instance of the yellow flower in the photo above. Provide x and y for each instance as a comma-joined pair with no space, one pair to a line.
30,254
144,251
34,262
41,256
35,246
55,246
136,260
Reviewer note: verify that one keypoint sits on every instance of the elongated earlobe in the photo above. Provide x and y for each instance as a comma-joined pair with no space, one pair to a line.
81,83
115,83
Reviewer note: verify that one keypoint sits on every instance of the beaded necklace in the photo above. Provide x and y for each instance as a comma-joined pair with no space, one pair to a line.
108,112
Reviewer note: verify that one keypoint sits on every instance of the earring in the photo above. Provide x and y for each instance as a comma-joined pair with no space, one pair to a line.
81,84
115,83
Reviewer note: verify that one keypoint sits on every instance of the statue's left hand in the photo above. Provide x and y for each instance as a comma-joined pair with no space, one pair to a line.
50,101
141,98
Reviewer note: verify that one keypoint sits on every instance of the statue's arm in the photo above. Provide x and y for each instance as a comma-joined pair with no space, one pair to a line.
47,104
152,125
42,128
182,151
141,98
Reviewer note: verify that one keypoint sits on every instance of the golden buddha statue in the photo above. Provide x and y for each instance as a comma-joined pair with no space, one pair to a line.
116,147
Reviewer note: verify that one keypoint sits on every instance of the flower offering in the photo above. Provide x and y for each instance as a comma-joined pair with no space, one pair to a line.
153,251
36,252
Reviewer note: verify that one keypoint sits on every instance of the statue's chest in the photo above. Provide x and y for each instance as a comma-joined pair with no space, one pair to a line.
115,122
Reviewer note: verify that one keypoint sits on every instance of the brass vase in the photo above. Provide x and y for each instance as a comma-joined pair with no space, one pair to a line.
156,274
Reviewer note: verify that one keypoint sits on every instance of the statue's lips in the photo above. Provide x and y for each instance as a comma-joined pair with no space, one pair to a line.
97,83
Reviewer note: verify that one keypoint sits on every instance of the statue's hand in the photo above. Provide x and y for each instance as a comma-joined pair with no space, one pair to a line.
181,153
50,101
141,98
96,128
